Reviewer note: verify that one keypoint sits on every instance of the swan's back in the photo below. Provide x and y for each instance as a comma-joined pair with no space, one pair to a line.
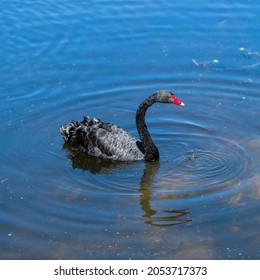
101,139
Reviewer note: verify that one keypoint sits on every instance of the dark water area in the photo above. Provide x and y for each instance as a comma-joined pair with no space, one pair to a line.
62,60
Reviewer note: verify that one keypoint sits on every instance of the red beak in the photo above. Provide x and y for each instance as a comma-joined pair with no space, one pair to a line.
177,101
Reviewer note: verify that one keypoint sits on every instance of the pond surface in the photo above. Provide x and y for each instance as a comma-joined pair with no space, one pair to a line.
62,60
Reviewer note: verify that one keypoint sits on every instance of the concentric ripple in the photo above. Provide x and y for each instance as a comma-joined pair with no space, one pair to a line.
207,164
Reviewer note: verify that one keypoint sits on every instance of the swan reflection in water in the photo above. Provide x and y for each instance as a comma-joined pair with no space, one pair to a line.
152,216
162,218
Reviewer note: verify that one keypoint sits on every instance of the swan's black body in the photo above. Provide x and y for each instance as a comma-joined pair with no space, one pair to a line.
107,140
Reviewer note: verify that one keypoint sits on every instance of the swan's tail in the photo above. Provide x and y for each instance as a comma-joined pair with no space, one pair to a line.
69,131
75,132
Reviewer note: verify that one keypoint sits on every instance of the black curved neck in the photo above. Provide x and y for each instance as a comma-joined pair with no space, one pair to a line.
151,151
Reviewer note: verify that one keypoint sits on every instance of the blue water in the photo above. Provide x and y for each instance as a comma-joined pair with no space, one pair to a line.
61,60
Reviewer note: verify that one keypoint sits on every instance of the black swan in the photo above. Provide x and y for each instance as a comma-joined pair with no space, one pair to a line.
107,140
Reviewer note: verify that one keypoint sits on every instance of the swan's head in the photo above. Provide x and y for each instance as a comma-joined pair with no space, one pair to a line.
167,96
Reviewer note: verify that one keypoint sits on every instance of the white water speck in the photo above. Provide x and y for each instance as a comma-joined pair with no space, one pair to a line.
2,181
